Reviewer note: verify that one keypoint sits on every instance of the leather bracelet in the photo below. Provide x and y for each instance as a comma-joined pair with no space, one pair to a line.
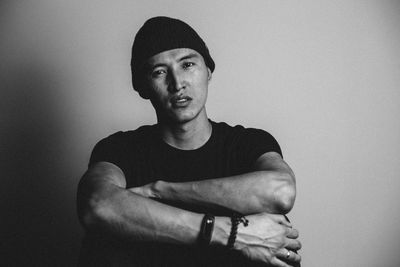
207,228
235,220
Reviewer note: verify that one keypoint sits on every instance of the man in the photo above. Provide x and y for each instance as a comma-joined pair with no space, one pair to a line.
186,191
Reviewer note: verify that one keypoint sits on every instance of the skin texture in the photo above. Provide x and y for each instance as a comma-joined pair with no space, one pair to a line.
178,73
269,188
177,84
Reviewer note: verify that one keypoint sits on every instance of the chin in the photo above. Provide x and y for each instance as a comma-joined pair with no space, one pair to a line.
183,118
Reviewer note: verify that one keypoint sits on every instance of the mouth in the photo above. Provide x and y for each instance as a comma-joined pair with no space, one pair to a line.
180,101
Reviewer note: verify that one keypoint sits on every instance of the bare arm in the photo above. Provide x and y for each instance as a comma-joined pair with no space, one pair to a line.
105,205
269,188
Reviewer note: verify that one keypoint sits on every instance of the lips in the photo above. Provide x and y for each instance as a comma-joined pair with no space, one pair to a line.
180,101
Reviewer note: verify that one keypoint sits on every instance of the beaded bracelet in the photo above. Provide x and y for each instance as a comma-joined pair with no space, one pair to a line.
236,219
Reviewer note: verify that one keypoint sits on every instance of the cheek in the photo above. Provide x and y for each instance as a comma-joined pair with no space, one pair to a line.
156,90
202,79
204,85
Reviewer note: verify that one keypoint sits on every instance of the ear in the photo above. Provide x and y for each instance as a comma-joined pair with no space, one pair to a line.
209,74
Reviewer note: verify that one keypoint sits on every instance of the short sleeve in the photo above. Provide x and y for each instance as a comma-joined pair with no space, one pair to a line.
256,142
109,149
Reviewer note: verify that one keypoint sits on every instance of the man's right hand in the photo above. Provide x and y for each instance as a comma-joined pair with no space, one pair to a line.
268,238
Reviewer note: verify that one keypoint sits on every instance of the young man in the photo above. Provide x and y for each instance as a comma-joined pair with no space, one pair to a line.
186,191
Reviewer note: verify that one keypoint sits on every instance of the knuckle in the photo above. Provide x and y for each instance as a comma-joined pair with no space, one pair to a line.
278,252
297,244
299,257
276,262
281,240
287,231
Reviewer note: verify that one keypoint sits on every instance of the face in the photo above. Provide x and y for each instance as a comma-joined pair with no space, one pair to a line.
177,85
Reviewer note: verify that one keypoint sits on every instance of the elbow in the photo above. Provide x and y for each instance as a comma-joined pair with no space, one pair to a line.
92,213
280,195
88,213
284,198
87,216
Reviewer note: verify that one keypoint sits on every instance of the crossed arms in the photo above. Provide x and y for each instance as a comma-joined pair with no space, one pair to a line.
105,204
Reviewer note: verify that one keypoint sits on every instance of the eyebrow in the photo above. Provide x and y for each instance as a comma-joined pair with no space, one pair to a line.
152,67
191,55
185,57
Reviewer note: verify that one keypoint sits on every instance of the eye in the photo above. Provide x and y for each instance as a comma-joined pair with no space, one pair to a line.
187,65
158,72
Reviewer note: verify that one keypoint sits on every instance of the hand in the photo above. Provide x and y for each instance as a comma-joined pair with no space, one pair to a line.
148,190
269,238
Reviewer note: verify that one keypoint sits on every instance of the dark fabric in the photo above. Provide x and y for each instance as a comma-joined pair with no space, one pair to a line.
160,34
145,158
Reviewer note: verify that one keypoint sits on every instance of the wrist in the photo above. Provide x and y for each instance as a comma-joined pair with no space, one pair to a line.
206,230
236,221
223,232
222,227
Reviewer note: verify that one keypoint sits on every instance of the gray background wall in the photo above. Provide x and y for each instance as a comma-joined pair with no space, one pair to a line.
322,76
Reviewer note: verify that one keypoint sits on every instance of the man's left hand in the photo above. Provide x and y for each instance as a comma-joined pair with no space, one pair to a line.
147,190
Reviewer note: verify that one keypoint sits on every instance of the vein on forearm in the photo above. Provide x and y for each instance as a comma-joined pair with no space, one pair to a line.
248,193
104,205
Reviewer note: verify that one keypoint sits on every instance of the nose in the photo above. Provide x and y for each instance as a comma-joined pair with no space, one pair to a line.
176,81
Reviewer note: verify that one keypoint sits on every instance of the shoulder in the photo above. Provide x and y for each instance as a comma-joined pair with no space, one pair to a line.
227,131
117,145
125,137
240,131
247,139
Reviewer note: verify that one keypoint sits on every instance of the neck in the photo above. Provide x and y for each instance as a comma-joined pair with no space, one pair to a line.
188,135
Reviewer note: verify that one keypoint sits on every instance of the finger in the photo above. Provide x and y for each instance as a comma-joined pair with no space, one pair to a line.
134,189
281,219
292,233
137,190
276,262
288,256
287,221
293,244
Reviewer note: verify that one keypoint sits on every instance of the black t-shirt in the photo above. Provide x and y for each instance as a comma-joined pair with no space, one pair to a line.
144,158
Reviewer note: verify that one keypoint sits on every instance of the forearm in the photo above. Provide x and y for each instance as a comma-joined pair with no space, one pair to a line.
104,205
254,192
108,207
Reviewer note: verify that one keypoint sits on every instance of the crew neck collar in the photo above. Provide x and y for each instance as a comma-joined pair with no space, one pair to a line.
179,150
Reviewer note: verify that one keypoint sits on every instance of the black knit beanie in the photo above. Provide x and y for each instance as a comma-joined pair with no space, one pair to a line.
160,34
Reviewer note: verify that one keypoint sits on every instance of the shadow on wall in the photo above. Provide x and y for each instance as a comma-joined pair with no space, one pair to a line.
38,221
